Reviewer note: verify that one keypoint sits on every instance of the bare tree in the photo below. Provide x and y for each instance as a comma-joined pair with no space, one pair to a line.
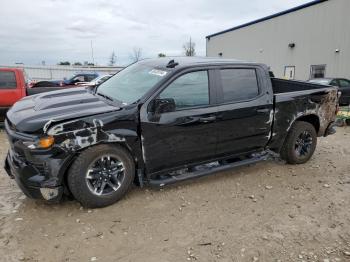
136,54
64,63
189,48
161,55
112,59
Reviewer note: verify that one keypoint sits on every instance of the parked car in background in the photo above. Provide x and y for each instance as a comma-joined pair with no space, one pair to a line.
95,82
14,86
342,83
161,121
80,77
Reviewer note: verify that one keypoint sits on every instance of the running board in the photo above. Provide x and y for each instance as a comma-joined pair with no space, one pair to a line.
205,170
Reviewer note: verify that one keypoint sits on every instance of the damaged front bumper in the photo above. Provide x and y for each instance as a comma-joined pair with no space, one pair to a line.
38,173
30,180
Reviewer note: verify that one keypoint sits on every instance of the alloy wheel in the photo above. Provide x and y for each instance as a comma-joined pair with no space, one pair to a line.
105,175
303,144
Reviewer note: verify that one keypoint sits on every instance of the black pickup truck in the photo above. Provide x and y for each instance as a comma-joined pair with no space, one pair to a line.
162,121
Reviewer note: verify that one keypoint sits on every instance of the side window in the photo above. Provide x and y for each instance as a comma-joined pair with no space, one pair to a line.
7,80
334,83
90,78
344,83
318,71
189,90
78,79
239,84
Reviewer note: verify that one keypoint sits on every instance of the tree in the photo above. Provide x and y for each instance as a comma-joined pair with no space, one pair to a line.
189,48
161,55
112,59
87,63
136,54
78,64
64,63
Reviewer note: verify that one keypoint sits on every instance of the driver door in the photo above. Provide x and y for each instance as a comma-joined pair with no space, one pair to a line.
187,134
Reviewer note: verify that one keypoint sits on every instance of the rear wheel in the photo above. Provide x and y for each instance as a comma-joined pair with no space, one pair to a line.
101,175
300,143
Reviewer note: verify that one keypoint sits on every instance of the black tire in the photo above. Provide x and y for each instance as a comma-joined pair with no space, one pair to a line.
291,151
80,186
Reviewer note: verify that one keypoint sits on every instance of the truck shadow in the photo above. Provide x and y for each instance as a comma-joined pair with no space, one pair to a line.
147,194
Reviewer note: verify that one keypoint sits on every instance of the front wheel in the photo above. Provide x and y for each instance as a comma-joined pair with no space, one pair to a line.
300,143
101,175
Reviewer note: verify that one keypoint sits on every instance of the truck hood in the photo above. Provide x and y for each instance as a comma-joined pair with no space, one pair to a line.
30,114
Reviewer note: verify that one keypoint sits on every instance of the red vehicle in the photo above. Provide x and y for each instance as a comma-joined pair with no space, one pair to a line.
13,86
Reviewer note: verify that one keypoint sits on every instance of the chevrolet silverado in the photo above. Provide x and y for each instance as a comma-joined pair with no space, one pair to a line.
160,121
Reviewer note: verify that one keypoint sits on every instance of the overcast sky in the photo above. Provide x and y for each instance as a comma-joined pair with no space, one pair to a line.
58,30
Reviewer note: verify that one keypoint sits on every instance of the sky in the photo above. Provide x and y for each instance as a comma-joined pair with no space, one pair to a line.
33,31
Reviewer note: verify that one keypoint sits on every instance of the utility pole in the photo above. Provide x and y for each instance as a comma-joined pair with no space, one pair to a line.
92,54
191,47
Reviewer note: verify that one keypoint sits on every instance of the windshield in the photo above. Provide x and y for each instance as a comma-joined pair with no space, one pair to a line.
130,84
320,81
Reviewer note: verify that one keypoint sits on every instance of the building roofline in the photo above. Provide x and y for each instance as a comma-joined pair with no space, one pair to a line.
269,17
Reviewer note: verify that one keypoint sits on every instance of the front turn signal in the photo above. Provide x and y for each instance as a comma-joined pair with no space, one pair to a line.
46,142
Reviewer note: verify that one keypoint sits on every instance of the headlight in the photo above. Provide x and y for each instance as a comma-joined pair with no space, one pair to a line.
42,143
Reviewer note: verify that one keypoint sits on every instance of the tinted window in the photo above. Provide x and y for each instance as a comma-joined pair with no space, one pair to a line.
189,90
78,79
7,80
90,78
344,83
334,83
318,71
239,84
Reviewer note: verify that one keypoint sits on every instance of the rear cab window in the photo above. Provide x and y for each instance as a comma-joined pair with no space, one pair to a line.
8,80
239,84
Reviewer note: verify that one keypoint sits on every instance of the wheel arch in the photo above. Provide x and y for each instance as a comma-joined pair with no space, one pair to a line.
65,169
313,119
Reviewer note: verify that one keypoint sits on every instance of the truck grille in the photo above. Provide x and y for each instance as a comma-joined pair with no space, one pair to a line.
15,138
41,167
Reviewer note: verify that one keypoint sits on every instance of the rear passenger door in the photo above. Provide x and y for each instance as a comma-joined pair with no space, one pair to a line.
245,110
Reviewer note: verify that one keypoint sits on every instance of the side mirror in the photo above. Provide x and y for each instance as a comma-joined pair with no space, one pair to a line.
163,105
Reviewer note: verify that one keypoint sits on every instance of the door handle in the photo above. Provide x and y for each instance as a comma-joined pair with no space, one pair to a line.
207,119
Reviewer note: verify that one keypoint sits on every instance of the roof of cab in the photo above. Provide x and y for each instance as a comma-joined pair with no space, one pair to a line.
184,61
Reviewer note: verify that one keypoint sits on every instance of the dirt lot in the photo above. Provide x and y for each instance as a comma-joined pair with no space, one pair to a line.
266,212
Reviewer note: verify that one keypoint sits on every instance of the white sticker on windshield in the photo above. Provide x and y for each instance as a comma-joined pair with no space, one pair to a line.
157,72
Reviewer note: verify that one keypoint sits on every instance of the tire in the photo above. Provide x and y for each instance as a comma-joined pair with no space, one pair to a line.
84,176
291,151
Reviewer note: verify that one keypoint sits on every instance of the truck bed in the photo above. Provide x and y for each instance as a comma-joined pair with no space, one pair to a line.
316,104
286,86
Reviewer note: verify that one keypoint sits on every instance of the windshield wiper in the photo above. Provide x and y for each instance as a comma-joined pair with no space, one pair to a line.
106,96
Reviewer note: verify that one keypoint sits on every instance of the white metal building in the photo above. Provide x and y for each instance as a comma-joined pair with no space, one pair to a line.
308,41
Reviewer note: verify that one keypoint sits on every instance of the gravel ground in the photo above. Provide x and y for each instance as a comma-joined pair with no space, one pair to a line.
266,212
